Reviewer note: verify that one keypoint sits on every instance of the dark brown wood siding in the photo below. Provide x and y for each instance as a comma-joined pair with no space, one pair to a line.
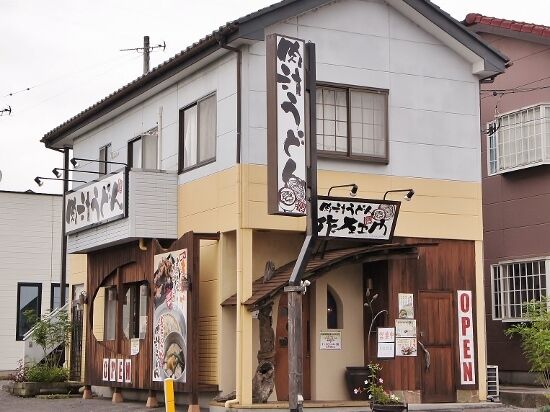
127,263
447,267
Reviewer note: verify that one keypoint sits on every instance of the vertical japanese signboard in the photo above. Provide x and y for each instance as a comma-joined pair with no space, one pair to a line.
170,316
466,338
286,126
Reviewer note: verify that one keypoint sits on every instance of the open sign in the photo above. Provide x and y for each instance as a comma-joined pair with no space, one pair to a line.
466,338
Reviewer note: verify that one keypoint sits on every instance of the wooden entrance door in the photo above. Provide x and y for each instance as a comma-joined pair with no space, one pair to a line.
281,349
435,331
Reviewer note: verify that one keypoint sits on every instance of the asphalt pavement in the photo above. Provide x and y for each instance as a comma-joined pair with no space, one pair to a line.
76,403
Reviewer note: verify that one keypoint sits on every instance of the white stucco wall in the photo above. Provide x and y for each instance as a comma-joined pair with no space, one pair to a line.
433,96
30,251
328,367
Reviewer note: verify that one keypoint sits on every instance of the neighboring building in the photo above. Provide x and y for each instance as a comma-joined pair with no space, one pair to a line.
30,266
515,141
398,107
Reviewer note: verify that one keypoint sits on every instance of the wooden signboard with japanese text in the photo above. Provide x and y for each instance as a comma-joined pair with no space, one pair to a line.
356,219
286,126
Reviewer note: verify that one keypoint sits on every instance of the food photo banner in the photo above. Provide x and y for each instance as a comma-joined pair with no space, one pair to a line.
170,299
356,219
286,126
97,203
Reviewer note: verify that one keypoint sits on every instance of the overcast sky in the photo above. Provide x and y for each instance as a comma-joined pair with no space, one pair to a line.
67,53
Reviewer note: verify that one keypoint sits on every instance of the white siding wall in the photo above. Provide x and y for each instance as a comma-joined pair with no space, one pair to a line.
433,97
152,213
219,77
30,251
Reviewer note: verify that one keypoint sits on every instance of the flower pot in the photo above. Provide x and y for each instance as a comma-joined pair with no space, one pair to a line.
355,378
389,408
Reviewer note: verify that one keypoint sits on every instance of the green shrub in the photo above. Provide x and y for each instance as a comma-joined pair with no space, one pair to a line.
535,337
46,373
545,408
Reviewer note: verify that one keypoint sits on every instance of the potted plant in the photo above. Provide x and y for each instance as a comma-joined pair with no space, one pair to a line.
379,398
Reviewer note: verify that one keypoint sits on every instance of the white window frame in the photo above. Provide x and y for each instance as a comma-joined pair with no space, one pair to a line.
140,140
104,168
503,295
544,140
197,162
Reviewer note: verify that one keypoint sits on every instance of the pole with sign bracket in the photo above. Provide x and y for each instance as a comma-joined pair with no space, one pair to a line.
296,286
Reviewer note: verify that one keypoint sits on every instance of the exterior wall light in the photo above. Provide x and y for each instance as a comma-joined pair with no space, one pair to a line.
74,161
353,191
39,180
408,196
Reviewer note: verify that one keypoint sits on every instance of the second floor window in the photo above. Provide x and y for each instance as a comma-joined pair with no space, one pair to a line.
104,156
143,151
352,122
198,133
519,140
515,283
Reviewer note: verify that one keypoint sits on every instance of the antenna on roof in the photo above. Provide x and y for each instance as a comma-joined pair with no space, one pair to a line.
146,49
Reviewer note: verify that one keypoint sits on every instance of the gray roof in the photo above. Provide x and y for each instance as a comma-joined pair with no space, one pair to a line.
252,26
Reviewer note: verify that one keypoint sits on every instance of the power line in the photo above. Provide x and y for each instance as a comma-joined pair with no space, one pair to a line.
65,75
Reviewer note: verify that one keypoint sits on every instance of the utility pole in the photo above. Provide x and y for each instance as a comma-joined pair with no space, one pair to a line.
146,49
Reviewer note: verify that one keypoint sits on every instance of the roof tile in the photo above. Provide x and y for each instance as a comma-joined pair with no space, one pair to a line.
518,26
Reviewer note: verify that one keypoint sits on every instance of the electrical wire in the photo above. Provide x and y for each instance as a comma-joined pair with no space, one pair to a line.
66,75
68,90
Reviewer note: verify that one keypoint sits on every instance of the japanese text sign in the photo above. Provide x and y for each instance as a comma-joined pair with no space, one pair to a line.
359,219
466,338
96,203
286,126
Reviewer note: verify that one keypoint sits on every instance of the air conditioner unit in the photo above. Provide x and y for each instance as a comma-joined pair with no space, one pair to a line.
492,383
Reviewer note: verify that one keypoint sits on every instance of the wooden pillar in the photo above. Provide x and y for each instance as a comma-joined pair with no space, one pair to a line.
152,400
245,356
117,396
87,394
295,361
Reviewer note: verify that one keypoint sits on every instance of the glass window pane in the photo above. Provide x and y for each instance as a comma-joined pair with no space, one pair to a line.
150,150
110,314
55,298
190,137
135,147
103,158
207,128
29,307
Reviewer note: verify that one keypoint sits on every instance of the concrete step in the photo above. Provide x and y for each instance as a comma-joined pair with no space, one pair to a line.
524,396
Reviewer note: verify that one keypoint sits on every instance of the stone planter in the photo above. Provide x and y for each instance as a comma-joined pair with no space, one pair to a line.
30,389
389,408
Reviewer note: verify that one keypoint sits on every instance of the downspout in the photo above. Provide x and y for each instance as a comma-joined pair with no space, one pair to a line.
63,282
240,251
159,137
239,66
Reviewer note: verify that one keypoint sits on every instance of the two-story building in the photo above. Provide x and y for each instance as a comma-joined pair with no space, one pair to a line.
397,107
515,140
30,267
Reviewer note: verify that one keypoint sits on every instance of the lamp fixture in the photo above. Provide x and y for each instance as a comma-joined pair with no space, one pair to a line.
408,196
39,180
353,191
57,174
74,161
